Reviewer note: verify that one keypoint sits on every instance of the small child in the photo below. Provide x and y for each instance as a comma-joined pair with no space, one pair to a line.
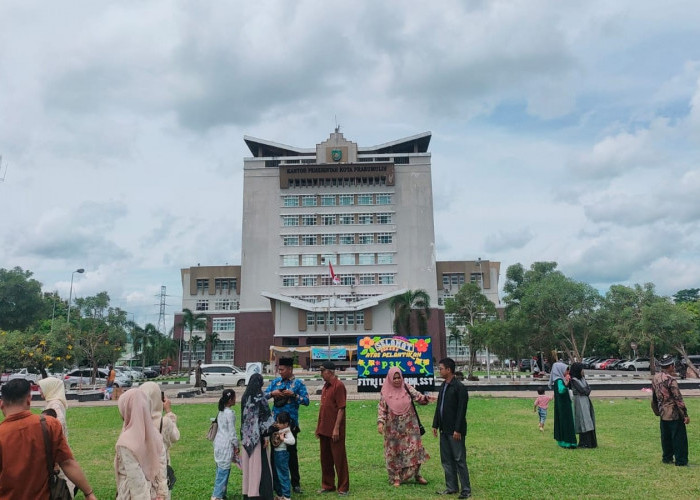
50,412
280,439
541,404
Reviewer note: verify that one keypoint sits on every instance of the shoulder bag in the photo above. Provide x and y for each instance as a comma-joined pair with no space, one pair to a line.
58,487
213,429
420,426
170,472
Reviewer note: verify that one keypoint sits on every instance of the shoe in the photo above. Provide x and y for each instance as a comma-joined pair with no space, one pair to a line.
464,494
397,484
446,492
324,491
297,489
421,480
343,493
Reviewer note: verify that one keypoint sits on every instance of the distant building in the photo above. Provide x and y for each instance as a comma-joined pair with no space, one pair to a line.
364,214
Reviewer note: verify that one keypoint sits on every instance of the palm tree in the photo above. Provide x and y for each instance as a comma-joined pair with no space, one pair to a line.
150,339
405,305
191,322
211,340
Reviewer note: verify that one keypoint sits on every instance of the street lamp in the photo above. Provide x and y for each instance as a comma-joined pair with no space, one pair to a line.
70,294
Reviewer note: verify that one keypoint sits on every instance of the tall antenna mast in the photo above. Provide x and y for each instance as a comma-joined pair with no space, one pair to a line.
161,316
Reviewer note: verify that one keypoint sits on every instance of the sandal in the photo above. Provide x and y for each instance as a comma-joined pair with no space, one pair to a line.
421,480
397,484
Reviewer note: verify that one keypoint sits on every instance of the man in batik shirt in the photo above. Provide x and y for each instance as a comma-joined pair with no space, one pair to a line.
667,403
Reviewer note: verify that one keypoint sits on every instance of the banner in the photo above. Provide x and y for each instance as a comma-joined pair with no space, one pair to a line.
322,353
412,355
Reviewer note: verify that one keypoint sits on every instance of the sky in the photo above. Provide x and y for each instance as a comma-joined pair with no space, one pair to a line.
561,131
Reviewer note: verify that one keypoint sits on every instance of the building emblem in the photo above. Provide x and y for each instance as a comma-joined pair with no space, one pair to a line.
336,154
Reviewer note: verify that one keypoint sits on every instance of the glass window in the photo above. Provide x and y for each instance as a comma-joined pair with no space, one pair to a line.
328,220
347,239
202,285
347,259
365,199
291,201
329,257
366,259
328,239
225,284
364,219
366,279
290,220
347,279
366,239
347,199
383,218
386,279
308,220
308,239
309,259
384,238
328,200
291,241
346,219
223,324
384,199
308,200
360,317
308,281
350,319
202,305
290,280
340,319
385,258
320,318
310,318
290,260
223,304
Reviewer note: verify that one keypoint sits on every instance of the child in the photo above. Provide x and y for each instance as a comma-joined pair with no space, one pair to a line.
50,412
280,439
225,443
541,404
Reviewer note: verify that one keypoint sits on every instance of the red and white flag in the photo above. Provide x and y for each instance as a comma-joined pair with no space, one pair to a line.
334,279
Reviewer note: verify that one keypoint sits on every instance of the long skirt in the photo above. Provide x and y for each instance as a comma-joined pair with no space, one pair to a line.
403,447
563,419
257,473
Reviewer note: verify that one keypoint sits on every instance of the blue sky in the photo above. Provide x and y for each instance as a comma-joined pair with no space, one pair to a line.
564,131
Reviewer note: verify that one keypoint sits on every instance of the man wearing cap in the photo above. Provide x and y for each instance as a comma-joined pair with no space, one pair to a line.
330,431
667,403
287,394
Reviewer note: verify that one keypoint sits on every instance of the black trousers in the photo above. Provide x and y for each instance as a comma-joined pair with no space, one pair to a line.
453,456
674,441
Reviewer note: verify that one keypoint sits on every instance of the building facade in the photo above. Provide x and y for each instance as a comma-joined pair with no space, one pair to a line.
330,234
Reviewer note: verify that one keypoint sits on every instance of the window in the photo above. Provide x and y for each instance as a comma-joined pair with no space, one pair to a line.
308,281
308,200
350,317
308,220
347,259
320,319
385,258
310,318
384,199
383,218
347,279
386,279
225,305
366,279
290,260
384,238
202,285
202,305
308,239
339,319
328,220
327,258
365,199
223,324
366,239
347,199
364,219
291,201
328,239
290,220
360,318
309,260
225,284
328,200
366,259
347,239
291,241
290,281
474,278
346,219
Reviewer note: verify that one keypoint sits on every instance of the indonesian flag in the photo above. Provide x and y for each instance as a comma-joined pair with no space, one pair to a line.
334,279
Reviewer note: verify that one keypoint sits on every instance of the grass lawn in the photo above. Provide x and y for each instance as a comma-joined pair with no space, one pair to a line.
507,456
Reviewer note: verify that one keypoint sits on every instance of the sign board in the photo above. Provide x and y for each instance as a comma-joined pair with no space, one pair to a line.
335,353
412,355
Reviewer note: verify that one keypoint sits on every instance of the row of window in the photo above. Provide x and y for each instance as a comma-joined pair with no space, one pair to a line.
220,284
337,239
335,318
458,278
300,182
219,305
345,279
331,200
222,352
345,259
333,219
350,297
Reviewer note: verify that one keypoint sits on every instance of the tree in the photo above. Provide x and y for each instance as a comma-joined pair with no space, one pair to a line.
470,308
405,306
191,322
21,301
673,325
195,342
687,295
211,339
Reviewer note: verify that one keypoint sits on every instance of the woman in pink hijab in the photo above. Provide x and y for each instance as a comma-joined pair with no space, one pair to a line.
139,471
398,422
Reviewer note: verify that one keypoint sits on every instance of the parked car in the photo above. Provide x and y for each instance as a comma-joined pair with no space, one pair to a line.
603,365
219,374
83,376
149,372
30,374
615,365
589,363
525,365
635,364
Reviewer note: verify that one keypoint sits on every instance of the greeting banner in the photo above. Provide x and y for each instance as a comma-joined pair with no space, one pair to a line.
322,353
412,355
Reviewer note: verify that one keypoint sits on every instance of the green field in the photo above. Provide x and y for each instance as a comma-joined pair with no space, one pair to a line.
508,457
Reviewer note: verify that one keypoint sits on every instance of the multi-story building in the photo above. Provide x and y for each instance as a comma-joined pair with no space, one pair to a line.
364,214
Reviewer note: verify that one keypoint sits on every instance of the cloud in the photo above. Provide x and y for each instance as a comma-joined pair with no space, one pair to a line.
508,240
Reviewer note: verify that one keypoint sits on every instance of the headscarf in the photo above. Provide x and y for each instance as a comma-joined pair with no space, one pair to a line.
152,390
53,390
256,415
397,398
138,433
558,371
576,370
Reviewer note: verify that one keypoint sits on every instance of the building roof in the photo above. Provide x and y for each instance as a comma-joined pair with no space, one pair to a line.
262,148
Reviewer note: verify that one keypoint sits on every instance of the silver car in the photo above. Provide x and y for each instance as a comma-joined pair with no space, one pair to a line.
83,377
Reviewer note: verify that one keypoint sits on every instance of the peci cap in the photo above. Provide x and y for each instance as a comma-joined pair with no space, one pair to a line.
328,365
286,362
666,360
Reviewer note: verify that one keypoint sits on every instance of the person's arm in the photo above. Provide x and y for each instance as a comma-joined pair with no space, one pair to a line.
382,411
340,401
419,398
271,392
655,403
71,468
678,401
436,415
288,437
302,394
462,401
173,431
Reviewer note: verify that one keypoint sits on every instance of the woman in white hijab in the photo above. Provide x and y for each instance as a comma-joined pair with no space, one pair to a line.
165,424
54,392
139,449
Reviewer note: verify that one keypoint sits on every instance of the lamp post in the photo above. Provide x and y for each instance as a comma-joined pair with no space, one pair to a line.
481,289
70,294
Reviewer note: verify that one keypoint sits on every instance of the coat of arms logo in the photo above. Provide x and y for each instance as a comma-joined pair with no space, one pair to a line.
336,154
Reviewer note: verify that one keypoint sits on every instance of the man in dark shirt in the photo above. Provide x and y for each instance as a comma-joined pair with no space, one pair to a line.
451,421
667,403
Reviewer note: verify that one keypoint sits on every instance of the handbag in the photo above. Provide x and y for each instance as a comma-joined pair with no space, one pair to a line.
420,426
213,429
58,487
170,472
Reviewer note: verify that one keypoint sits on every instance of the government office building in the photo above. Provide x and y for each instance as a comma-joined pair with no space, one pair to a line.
364,212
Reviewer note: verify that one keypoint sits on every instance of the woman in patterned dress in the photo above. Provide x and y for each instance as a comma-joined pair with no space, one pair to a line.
398,422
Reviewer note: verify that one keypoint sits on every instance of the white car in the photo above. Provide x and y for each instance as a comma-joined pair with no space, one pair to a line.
219,374
635,364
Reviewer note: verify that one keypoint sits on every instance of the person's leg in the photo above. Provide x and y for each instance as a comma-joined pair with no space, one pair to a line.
282,466
327,469
666,442
459,454
680,442
294,460
340,459
448,464
221,482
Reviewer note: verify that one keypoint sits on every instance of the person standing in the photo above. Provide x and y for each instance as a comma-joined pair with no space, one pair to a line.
330,430
667,403
564,432
198,376
584,415
288,393
24,473
281,439
451,421
256,424
398,422
541,405
225,443
111,376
